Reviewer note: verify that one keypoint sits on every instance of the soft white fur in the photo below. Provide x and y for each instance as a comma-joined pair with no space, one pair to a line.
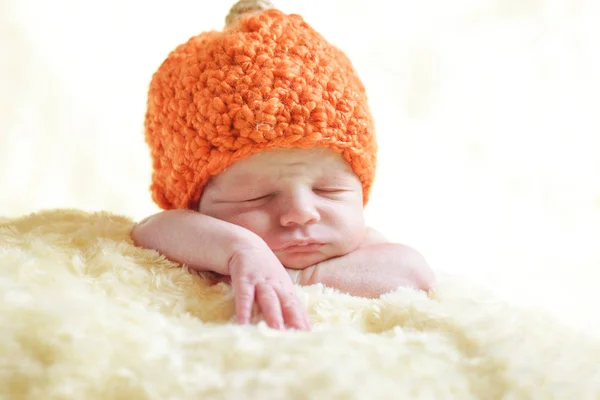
86,315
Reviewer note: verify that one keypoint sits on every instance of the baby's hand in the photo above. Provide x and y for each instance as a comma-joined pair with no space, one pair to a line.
258,276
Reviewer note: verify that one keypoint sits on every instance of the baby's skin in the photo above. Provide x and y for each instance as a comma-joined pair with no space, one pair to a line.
279,218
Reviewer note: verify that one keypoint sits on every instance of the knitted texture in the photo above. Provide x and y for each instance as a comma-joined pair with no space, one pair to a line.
269,81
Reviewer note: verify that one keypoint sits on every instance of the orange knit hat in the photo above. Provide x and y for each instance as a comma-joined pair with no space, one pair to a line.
267,81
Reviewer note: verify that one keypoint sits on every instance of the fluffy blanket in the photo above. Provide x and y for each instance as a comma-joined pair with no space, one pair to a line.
86,315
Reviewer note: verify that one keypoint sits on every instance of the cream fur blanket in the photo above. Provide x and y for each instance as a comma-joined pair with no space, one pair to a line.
86,315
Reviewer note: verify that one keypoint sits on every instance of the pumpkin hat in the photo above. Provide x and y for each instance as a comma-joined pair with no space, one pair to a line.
266,81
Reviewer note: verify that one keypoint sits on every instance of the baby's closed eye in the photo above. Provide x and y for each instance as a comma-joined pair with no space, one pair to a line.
242,198
330,190
333,193
256,198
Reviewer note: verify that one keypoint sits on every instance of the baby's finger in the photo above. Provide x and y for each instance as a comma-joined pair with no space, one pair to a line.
294,312
267,299
244,299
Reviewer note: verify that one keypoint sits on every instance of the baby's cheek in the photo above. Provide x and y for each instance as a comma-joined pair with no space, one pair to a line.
256,221
351,226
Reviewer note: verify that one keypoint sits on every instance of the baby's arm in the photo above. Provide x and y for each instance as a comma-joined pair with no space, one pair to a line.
375,268
207,244
201,242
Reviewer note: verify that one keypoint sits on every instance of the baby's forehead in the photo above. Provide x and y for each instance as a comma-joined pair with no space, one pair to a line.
268,165
292,170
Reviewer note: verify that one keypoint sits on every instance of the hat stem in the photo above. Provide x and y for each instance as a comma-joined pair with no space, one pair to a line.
243,7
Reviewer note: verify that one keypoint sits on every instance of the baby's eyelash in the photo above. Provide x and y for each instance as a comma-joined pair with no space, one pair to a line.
256,198
330,190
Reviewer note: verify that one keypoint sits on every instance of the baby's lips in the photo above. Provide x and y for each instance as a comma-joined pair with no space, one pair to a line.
300,244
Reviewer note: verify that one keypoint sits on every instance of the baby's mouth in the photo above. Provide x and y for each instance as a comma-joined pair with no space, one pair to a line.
301,246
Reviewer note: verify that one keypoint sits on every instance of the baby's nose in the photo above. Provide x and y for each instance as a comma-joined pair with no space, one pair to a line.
299,210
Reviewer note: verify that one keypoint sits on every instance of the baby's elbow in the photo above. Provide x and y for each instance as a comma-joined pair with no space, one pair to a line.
425,278
139,233
420,273
136,235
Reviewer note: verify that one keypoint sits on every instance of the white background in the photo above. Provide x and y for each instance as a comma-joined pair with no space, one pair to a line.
487,111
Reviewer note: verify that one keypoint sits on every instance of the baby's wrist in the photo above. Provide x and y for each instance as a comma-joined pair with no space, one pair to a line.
243,243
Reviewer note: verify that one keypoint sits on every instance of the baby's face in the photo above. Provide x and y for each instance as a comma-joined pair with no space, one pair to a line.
305,204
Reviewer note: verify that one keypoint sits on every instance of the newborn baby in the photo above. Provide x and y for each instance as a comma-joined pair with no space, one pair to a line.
264,154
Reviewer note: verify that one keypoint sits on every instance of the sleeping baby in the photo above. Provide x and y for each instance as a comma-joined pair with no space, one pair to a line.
264,153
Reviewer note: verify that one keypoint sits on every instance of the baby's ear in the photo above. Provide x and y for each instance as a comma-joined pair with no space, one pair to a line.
374,237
